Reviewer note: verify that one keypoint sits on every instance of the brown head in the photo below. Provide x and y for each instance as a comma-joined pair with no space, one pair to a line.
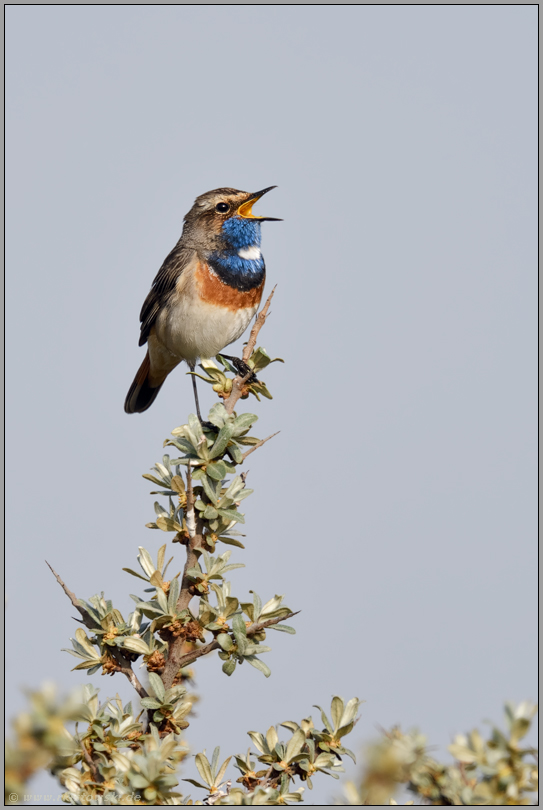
204,223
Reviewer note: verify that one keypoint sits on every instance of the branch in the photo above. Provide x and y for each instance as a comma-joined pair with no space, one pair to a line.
190,657
88,621
260,443
96,775
175,646
239,381
122,663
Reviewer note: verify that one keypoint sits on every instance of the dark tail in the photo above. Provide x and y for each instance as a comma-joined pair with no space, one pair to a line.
141,394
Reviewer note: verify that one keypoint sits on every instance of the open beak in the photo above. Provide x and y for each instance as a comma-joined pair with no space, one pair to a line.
245,209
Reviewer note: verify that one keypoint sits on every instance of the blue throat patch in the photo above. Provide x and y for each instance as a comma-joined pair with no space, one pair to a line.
244,274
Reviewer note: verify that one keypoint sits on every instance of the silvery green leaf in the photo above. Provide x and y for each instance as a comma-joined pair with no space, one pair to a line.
217,415
257,602
85,643
230,541
204,768
194,426
150,703
295,745
271,738
291,725
214,763
217,470
160,510
79,649
222,771
243,422
162,600
149,609
210,512
163,471
225,641
146,562
324,761
244,493
194,461
173,595
211,488
232,604
167,565
336,711
153,479
229,666
350,712
196,784
157,686
184,445
178,484
221,442
136,645
272,605
234,488
238,625
283,628
231,514
89,665
73,652
255,649
235,452
231,567
247,441
167,524
325,720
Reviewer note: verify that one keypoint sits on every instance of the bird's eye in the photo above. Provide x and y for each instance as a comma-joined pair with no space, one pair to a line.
222,208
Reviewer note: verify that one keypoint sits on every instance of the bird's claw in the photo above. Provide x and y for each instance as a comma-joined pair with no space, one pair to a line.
242,368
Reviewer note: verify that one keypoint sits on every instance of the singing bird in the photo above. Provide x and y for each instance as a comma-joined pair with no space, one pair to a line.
206,292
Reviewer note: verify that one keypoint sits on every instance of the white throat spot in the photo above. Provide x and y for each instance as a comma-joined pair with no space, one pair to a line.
252,252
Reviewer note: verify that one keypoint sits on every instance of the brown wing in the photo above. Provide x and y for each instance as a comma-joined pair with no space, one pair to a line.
163,286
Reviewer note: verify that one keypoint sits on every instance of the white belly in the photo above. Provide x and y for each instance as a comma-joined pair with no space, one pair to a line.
192,328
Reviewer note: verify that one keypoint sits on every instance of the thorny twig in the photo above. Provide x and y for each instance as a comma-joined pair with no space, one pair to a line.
190,657
122,663
260,443
239,381
95,773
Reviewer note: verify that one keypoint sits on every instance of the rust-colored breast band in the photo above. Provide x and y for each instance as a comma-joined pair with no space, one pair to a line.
214,291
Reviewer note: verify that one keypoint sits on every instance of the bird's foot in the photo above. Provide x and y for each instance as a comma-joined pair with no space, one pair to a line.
209,426
242,368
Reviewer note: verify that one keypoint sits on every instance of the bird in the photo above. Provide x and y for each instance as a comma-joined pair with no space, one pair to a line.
205,293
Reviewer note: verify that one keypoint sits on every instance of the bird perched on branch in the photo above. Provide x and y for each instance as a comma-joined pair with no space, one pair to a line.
206,292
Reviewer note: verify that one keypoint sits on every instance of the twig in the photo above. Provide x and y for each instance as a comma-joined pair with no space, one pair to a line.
189,512
190,657
88,621
122,663
126,669
239,381
95,773
256,446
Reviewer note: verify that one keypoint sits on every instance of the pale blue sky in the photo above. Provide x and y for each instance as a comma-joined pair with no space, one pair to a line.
397,507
